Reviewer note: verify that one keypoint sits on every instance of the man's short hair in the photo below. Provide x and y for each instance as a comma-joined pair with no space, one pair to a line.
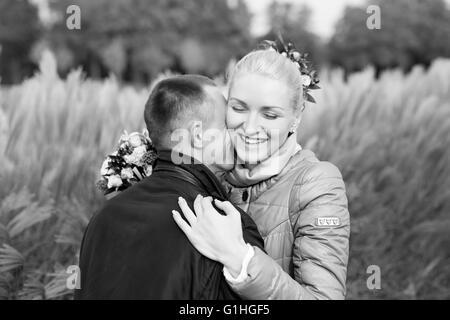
173,102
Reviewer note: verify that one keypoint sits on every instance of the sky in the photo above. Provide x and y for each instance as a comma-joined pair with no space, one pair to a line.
325,13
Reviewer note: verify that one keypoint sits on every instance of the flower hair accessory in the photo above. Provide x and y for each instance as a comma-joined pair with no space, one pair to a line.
131,162
308,75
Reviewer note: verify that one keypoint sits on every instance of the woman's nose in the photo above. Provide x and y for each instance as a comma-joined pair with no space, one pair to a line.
251,125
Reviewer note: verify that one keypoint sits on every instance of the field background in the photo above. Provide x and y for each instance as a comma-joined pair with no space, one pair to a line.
389,136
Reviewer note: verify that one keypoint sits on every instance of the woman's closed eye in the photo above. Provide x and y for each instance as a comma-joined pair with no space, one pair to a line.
270,115
238,108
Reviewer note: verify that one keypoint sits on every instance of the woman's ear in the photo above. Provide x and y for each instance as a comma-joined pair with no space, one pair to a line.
298,119
196,134
295,124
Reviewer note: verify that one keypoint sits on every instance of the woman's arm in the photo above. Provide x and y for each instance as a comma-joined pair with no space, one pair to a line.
320,254
320,219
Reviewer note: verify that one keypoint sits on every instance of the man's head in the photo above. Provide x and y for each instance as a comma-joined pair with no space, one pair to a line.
186,113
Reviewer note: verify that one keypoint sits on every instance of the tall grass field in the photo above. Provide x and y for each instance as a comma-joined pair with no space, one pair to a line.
389,136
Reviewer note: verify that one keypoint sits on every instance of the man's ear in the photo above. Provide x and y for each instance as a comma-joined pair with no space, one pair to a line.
196,134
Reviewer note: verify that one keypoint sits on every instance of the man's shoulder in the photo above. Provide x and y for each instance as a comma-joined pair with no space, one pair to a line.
143,192
149,197
128,215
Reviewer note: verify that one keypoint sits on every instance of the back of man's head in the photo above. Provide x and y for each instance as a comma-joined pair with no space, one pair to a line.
173,103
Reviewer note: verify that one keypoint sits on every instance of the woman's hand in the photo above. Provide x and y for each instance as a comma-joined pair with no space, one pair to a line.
218,237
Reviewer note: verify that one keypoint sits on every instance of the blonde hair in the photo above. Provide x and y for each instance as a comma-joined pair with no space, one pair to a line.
275,66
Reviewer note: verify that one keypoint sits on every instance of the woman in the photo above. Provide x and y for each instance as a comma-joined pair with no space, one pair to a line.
298,202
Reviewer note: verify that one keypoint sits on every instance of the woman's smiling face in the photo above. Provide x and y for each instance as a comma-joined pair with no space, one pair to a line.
259,116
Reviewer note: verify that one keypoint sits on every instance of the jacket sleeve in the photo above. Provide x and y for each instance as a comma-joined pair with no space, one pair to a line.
321,226
250,231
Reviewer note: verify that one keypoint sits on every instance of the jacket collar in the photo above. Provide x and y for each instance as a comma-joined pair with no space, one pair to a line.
199,171
257,189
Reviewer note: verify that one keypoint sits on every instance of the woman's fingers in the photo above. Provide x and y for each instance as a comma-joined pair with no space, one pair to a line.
190,216
207,205
198,206
181,223
226,206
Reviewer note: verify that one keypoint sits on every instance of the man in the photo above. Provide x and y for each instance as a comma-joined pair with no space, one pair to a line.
132,248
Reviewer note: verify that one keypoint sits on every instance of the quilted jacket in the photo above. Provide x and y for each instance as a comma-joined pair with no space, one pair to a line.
303,217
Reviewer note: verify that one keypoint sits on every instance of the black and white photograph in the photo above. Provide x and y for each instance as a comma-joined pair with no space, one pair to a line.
224,150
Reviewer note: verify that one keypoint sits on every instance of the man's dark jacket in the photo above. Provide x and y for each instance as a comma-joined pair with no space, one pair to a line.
133,249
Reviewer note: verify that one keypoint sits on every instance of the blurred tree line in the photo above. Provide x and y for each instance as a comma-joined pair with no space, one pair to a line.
19,30
138,39
291,22
412,32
